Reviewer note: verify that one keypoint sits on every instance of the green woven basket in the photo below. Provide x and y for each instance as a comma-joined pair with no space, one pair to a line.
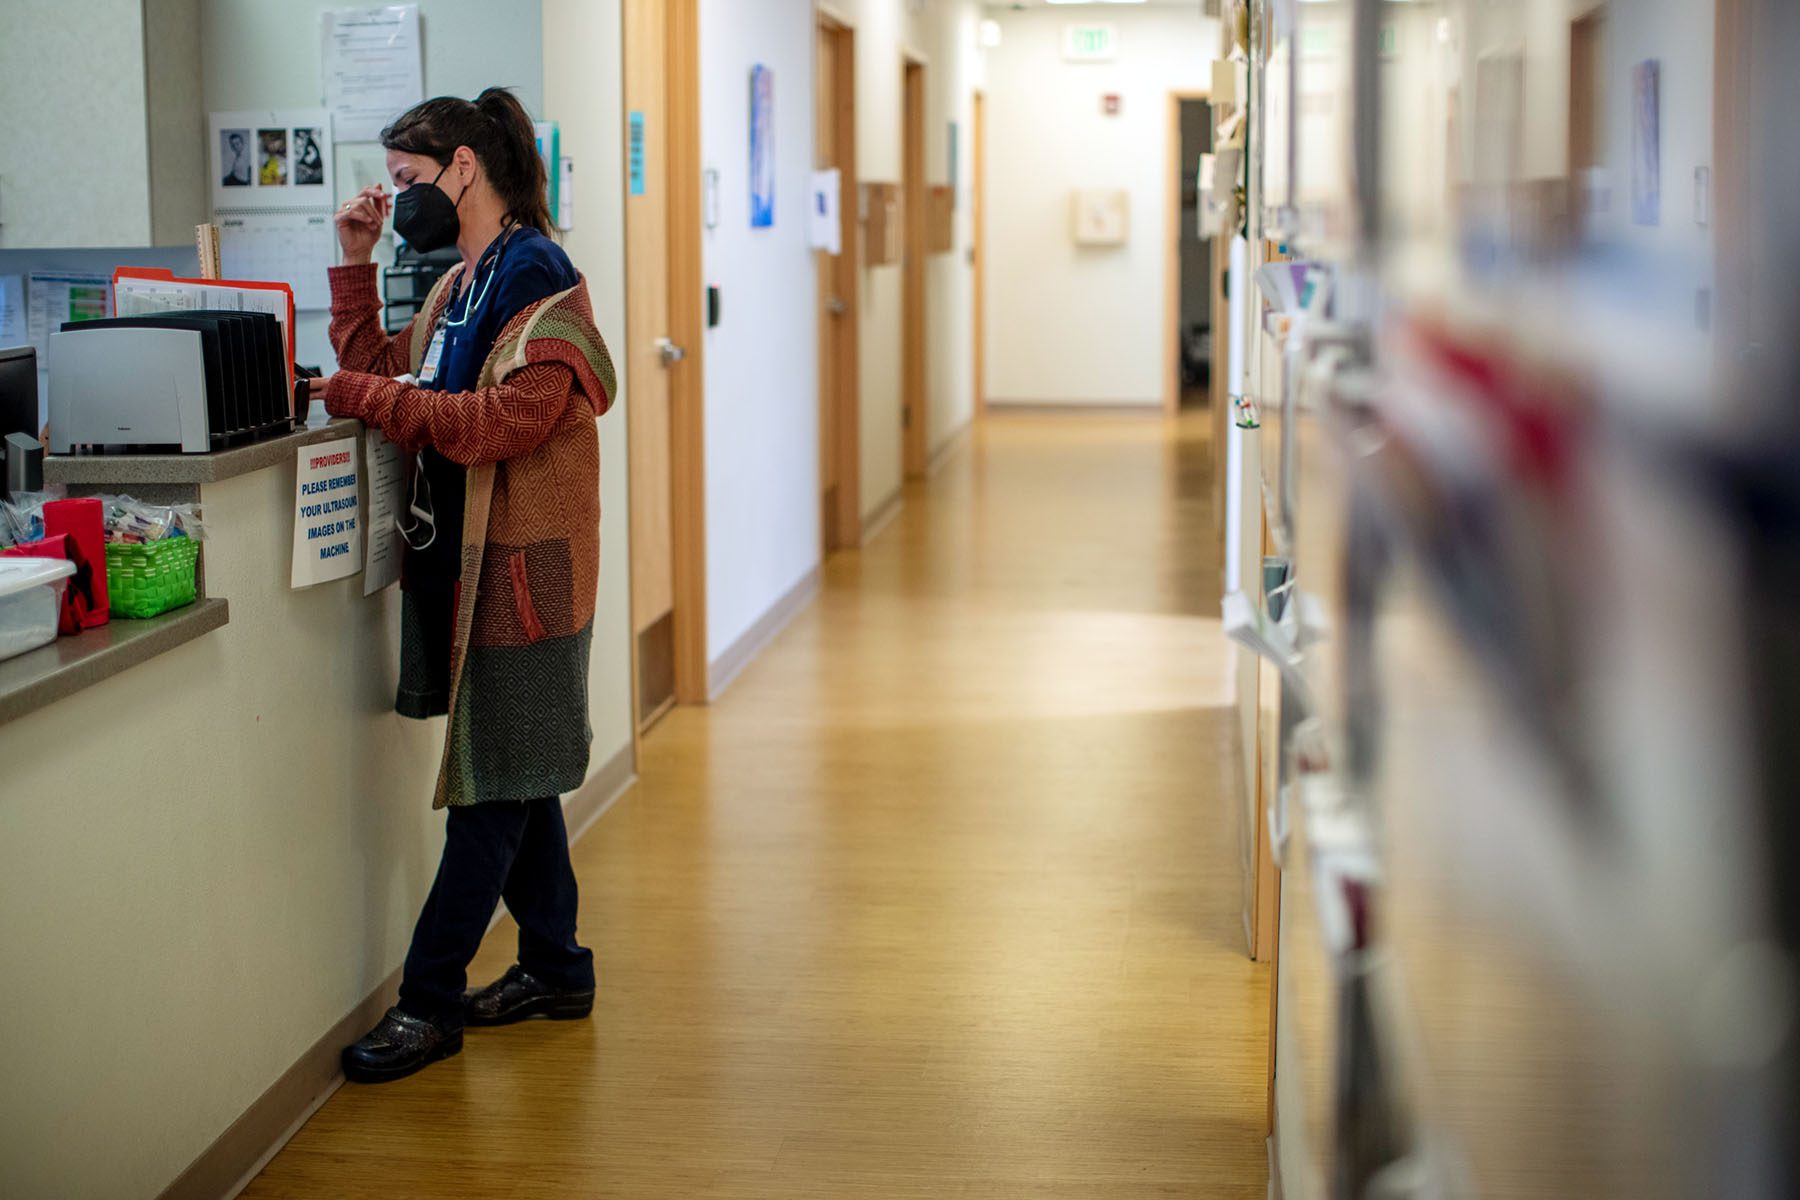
150,579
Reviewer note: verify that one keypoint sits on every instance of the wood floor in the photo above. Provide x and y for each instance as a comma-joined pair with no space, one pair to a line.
940,899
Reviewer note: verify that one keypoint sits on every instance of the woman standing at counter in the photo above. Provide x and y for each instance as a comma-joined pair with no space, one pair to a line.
507,373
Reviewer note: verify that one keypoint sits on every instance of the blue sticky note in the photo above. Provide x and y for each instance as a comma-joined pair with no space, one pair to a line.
636,153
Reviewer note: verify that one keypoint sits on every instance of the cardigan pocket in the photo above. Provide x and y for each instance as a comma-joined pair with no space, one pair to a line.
521,585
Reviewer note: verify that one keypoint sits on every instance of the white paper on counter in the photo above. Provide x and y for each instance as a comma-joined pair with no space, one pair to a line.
328,527
136,297
387,497
372,67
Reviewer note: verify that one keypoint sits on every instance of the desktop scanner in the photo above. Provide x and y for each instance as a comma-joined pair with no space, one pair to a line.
189,381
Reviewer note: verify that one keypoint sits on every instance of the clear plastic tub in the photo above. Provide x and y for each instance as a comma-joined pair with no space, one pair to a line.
31,595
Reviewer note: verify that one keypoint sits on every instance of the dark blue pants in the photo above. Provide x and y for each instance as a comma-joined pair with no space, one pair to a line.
514,850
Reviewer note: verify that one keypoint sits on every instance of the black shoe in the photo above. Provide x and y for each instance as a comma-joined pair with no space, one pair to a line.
519,995
398,1046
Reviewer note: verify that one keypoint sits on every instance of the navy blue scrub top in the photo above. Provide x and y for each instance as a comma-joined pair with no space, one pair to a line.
519,268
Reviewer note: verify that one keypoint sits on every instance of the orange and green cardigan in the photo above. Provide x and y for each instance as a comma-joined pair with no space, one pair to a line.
531,525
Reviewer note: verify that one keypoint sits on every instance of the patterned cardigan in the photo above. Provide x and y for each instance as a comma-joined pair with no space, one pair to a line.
531,525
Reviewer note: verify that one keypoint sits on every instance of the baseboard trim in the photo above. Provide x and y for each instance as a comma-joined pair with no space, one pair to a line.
728,666
599,794
948,447
883,516
1085,408
238,1155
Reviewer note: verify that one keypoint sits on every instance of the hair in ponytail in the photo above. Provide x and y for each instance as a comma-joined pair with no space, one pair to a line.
498,130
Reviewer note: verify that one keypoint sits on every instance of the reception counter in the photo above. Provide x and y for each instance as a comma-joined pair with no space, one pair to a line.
217,834
30,681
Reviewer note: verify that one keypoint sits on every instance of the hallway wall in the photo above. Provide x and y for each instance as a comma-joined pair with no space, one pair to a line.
1069,324
762,387
762,408
943,36
1680,35
958,71
582,67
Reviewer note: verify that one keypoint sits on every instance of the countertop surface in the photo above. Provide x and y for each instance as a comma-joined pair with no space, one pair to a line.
91,469
69,664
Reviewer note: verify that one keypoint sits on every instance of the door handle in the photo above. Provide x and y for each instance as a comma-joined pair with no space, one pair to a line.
837,306
670,352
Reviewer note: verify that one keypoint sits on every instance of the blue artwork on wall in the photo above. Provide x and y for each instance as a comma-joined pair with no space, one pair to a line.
762,147
1646,143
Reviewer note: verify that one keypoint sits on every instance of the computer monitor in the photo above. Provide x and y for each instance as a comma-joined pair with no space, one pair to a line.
18,391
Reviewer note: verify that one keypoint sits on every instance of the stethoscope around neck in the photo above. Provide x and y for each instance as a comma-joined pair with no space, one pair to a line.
422,514
473,302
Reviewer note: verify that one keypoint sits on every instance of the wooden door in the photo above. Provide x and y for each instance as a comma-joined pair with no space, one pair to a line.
978,245
646,324
915,442
1741,257
1587,86
840,473
1172,264
1220,419
662,354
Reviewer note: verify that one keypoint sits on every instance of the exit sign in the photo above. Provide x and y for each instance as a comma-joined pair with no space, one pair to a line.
1091,43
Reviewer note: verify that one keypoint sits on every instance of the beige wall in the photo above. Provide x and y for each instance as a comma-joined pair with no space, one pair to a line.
582,64
208,861
82,127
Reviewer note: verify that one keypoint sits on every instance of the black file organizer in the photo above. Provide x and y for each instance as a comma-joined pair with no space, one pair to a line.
407,283
245,364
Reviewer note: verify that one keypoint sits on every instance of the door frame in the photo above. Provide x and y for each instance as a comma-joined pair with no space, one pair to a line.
1172,240
978,243
684,326
1587,89
687,326
843,332
1736,204
915,439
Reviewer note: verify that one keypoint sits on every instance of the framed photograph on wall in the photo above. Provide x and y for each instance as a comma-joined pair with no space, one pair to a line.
1646,143
762,147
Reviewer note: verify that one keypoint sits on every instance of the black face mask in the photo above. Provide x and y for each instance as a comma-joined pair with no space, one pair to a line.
426,217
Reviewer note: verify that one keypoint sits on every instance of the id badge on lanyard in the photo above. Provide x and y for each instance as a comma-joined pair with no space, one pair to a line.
434,353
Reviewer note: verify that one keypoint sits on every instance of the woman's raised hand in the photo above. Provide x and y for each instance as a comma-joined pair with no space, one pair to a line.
359,223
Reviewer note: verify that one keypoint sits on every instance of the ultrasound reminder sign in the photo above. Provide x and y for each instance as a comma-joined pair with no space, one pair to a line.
328,533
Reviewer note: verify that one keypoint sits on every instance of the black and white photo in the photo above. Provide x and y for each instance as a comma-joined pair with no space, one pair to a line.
234,158
309,163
